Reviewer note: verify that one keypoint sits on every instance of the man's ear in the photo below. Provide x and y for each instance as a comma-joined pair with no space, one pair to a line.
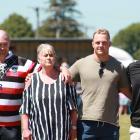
92,43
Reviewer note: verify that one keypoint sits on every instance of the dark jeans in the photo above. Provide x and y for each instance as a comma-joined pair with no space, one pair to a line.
10,133
95,130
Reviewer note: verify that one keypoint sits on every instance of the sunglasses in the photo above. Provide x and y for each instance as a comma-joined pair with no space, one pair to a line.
101,70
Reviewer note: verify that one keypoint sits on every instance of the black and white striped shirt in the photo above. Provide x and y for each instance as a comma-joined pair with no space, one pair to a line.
48,107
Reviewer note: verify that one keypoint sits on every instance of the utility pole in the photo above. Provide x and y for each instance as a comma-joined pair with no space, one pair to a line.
37,12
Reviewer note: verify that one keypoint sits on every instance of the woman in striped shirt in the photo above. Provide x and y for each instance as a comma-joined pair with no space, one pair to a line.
48,111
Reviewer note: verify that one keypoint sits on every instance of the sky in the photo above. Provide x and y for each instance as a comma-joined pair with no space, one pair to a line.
113,15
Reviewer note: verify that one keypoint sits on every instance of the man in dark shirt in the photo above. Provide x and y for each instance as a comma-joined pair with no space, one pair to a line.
134,76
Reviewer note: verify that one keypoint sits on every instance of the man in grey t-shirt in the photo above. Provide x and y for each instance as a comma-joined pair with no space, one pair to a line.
102,78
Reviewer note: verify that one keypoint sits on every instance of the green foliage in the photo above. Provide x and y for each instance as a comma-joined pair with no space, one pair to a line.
61,21
129,39
17,26
68,28
136,54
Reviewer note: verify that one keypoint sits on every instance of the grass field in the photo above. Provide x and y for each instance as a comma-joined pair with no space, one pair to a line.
124,127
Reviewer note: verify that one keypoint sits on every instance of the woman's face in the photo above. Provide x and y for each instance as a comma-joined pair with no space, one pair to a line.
46,57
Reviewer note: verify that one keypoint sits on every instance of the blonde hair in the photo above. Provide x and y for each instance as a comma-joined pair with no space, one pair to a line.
43,46
102,31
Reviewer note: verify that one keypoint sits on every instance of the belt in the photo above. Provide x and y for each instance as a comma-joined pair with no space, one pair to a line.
99,123
95,123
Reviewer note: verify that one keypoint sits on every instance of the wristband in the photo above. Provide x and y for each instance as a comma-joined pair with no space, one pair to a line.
74,127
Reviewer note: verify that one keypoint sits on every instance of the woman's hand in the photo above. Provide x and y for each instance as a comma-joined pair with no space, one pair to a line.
73,133
26,134
28,80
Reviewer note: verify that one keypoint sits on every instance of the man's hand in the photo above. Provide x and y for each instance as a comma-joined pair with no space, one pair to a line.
66,76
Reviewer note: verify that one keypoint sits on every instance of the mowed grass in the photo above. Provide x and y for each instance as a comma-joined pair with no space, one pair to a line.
124,127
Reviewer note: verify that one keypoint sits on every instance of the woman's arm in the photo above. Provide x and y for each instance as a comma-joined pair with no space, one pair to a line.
73,130
26,133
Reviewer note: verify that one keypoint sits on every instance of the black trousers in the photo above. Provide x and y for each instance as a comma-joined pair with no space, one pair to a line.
10,133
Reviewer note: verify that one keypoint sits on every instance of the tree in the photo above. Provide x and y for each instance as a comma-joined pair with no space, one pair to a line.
17,26
61,21
129,39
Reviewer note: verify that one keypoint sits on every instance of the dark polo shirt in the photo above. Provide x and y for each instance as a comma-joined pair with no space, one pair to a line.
134,76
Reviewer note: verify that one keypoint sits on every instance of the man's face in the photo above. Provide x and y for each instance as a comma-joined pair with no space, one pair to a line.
4,44
101,44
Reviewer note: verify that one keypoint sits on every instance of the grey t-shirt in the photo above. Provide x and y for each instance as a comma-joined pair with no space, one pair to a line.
100,99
